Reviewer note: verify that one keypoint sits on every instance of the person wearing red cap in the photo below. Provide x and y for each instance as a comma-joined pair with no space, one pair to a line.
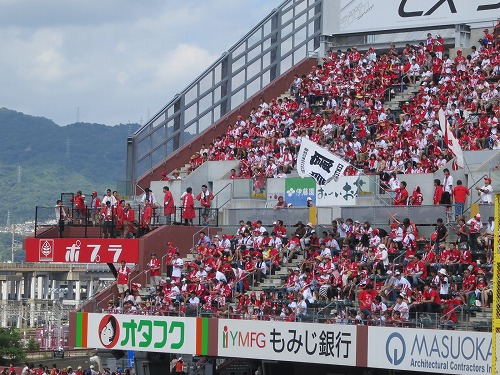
164,176
485,192
460,61
171,250
487,38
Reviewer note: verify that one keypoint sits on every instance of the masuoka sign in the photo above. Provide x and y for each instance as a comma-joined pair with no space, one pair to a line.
445,352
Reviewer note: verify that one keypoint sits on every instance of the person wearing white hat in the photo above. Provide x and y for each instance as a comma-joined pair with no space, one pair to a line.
179,366
443,283
382,257
309,202
387,290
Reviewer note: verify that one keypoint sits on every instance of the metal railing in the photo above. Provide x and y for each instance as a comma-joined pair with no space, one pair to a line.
328,312
194,236
216,196
470,189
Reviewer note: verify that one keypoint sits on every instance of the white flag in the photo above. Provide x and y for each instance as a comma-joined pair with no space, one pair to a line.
451,141
319,163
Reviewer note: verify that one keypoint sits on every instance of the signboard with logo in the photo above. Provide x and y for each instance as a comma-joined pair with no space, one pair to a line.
376,15
82,250
297,190
283,341
434,351
136,332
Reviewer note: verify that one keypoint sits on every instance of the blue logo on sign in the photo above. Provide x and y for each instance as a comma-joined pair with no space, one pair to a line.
395,349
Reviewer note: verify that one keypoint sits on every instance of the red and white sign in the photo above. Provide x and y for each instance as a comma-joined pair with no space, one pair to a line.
82,250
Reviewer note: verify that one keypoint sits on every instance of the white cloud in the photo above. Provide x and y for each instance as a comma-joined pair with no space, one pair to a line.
116,61
185,62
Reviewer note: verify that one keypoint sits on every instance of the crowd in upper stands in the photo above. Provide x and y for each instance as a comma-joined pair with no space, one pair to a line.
340,105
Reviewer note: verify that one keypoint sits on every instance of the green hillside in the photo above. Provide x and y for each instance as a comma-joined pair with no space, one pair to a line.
52,159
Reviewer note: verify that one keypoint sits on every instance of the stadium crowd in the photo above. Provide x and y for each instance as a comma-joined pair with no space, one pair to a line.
381,277
378,277
340,105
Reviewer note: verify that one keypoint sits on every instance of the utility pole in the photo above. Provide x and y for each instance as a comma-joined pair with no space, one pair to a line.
12,246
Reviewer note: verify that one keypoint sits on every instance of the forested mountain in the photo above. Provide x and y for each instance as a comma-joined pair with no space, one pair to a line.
40,159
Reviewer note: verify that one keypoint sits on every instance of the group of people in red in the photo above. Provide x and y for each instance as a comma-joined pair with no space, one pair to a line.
116,216
350,261
340,105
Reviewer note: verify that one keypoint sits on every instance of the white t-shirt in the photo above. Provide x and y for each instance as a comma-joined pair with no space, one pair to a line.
177,267
486,194
448,184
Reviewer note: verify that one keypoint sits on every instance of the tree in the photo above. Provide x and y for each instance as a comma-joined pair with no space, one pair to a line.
32,345
11,349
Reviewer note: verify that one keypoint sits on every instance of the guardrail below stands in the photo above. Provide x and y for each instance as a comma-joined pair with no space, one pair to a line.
380,215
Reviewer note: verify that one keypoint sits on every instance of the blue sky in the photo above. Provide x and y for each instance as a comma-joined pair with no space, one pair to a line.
113,61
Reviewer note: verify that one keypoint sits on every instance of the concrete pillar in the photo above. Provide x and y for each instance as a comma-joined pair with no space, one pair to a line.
5,293
46,283
90,287
78,289
33,284
53,294
39,286
12,290
19,294
33,316
70,295
462,36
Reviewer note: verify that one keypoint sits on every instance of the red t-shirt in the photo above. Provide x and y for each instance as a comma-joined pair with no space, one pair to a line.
429,293
460,193
123,273
366,299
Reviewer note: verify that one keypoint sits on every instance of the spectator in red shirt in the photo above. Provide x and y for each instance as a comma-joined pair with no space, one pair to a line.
431,300
468,286
366,299
449,316
122,280
460,193
417,197
79,204
438,192
401,198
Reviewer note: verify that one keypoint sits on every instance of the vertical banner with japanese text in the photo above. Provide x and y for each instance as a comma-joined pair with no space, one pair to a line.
319,163
297,190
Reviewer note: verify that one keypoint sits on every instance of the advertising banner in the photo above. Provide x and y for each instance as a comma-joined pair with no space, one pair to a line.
297,190
433,351
82,250
377,15
283,341
136,332
338,193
